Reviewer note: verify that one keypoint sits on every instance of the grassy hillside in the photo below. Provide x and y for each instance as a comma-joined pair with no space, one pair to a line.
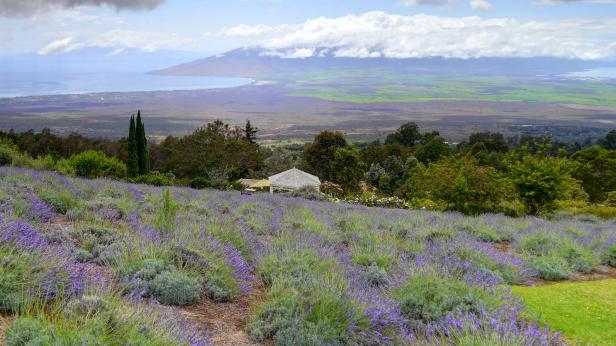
97,261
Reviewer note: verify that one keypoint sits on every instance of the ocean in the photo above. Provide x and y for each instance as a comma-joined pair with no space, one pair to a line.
41,83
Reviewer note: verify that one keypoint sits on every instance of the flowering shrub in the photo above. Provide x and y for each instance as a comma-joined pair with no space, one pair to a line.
332,273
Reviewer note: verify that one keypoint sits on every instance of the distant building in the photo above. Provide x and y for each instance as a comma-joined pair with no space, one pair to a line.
255,184
292,180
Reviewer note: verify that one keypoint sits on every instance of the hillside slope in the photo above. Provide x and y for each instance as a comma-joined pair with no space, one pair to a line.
277,269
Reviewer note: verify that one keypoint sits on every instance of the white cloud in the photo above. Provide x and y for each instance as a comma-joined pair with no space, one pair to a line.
429,2
59,46
119,40
244,30
378,34
552,2
26,8
481,5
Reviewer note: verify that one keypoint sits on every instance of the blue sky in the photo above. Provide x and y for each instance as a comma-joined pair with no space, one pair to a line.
291,28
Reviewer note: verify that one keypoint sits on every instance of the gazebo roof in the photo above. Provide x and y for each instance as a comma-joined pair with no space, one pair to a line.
293,179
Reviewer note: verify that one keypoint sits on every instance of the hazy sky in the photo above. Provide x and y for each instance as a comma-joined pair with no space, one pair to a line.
298,28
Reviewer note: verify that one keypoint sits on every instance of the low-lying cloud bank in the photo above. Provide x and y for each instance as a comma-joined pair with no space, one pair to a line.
378,34
25,8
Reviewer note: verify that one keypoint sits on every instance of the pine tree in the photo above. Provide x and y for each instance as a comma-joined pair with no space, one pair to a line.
250,132
142,147
132,165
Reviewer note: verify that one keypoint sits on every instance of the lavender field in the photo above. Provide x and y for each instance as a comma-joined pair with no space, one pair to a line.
99,262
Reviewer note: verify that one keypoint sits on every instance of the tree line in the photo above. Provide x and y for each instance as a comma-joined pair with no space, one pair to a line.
486,173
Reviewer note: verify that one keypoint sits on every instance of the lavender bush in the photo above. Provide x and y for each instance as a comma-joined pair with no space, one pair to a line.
333,274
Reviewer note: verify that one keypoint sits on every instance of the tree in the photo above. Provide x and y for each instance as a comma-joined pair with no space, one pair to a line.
279,161
318,156
95,164
433,150
460,184
597,171
132,164
485,141
407,135
142,147
250,132
216,152
540,181
347,168
609,142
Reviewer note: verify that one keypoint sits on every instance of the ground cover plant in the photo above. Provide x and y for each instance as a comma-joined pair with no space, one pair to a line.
585,312
102,261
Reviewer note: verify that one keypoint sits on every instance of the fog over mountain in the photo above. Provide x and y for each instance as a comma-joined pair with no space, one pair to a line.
256,62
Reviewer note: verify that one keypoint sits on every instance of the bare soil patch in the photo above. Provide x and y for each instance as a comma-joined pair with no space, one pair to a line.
226,322
5,322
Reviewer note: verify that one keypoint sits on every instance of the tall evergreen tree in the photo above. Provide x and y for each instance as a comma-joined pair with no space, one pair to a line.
132,165
142,147
250,132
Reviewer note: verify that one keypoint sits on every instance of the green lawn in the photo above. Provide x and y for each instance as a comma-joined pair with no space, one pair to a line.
584,313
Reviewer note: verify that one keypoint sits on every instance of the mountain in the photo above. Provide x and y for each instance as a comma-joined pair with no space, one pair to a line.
252,62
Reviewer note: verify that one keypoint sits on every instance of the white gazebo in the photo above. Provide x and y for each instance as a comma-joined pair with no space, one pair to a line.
292,180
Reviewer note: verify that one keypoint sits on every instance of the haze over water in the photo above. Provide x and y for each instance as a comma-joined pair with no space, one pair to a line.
37,83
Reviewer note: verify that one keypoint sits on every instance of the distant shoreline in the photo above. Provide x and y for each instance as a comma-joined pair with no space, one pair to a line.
118,84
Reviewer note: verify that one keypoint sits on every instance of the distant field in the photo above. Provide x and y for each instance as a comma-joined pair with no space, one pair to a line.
367,88
583,312
366,105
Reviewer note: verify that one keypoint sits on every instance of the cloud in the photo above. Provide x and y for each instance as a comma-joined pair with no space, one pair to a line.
119,40
26,8
553,2
429,2
59,46
481,5
244,30
378,34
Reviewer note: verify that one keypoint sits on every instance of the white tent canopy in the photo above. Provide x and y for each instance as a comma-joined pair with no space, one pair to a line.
293,179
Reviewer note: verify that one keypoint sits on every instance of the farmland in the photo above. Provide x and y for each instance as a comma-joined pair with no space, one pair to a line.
365,105
105,262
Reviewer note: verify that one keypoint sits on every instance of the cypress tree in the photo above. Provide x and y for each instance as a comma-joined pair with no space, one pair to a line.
250,132
132,165
142,147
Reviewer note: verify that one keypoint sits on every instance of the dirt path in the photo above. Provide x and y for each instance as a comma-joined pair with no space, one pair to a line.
5,322
226,322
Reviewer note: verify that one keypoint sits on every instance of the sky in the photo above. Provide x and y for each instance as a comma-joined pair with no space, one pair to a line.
303,28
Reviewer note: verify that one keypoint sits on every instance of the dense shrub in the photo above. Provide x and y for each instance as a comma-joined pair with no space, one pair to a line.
60,201
162,281
22,276
27,331
307,192
536,244
578,258
174,288
609,256
96,244
154,178
550,268
486,232
87,305
429,297
6,156
217,289
95,164
376,275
